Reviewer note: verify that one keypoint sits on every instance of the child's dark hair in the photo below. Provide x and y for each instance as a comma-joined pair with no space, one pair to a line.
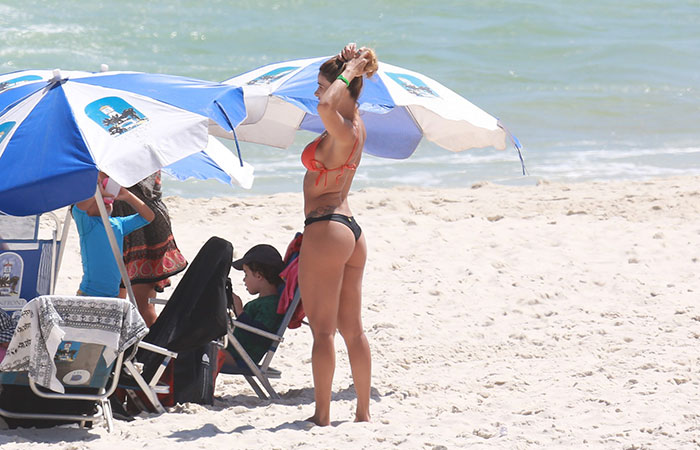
271,274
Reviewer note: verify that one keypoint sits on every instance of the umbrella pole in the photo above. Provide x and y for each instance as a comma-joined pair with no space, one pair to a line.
238,148
64,238
115,247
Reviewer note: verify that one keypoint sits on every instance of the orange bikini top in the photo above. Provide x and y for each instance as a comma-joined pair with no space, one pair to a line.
308,159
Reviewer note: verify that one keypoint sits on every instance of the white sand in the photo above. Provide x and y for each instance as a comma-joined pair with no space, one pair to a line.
506,317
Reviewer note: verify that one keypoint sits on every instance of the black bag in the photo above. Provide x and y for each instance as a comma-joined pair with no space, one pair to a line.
195,375
196,312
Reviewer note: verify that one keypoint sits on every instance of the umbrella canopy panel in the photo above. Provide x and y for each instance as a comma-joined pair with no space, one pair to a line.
216,162
37,172
224,107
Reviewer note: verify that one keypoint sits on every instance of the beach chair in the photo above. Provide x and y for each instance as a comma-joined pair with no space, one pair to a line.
29,262
259,375
64,360
142,388
194,316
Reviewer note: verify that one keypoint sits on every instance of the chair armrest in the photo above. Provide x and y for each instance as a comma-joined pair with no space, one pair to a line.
156,349
258,331
157,301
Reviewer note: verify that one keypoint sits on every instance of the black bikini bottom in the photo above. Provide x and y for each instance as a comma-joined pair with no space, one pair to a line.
345,220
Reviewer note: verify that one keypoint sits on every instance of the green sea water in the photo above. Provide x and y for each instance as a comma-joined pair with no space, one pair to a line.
594,90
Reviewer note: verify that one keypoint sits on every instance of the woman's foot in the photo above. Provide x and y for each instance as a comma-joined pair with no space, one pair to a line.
319,422
364,417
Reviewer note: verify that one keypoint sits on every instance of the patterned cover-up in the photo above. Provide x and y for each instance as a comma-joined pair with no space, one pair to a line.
150,253
49,319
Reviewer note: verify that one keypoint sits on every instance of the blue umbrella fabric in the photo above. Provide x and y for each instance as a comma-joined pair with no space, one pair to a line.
56,134
399,107
215,162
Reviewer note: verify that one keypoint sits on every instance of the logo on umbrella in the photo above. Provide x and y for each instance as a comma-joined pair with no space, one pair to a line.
4,85
114,115
5,129
412,84
272,75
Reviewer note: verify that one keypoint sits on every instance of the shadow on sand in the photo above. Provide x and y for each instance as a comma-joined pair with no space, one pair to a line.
293,397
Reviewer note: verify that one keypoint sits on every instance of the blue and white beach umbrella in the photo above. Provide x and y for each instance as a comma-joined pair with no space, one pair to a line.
55,134
398,107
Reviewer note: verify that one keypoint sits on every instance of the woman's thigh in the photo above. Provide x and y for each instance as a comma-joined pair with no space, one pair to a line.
350,307
325,250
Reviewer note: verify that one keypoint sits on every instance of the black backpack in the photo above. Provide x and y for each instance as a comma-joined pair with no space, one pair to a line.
195,375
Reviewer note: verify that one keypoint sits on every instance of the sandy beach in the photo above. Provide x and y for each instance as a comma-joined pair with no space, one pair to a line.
550,316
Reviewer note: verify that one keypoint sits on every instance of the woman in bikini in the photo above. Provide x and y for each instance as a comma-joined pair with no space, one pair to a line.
333,251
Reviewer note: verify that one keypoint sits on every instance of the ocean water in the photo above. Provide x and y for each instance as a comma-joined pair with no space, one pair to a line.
594,90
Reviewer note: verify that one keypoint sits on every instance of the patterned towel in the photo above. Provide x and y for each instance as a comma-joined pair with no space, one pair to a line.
8,323
49,319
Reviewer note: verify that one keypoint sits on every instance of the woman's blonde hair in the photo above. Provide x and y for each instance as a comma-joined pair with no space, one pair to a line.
336,65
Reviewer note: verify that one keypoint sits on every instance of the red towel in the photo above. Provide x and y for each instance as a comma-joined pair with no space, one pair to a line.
291,281
293,248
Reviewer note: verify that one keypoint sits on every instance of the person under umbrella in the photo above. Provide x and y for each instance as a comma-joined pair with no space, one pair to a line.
151,254
333,251
100,271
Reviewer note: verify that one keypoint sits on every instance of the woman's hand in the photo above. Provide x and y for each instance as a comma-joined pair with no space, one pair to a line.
124,194
355,67
348,52
106,196
139,206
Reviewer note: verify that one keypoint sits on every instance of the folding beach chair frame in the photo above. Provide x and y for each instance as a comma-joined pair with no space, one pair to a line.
259,376
150,388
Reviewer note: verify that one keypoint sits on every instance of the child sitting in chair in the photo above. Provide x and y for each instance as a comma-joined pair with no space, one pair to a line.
100,271
261,265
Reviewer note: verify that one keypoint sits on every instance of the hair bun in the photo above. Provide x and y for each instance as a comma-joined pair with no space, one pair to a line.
372,64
